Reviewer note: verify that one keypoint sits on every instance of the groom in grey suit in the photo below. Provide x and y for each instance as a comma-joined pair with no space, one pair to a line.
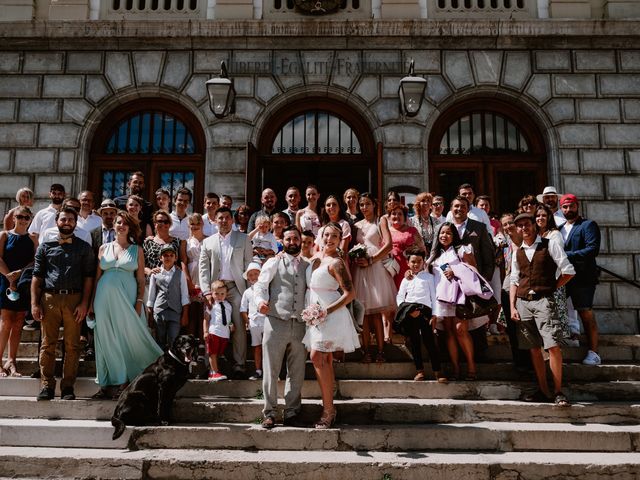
224,256
280,294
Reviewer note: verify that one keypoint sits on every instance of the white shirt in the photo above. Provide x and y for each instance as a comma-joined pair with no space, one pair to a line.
478,215
555,250
179,228
559,218
52,234
461,227
267,241
90,223
105,234
421,289
225,257
42,220
216,326
565,230
439,220
209,227
249,305
184,289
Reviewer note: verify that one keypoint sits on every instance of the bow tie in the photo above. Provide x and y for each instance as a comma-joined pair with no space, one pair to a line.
62,241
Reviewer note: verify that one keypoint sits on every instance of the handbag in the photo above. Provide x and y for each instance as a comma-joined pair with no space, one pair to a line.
476,306
391,265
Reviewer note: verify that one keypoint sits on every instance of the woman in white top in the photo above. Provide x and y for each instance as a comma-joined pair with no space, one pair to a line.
307,218
547,229
333,213
449,251
194,243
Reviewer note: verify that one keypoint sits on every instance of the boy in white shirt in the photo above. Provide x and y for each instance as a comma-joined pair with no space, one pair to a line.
253,319
265,244
416,298
217,327
168,298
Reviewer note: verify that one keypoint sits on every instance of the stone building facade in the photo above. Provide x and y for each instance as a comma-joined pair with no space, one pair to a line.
572,86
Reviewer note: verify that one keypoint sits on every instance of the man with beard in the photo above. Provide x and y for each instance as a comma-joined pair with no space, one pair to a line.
268,200
225,256
61,287
280,294
46,218
106,232
549,197
135,185
53,233
582,245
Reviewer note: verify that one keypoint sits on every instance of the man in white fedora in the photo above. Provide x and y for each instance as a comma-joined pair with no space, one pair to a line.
550,197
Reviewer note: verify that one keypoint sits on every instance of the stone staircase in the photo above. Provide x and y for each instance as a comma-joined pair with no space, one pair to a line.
389,427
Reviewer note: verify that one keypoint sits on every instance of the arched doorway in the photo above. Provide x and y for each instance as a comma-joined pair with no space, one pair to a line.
491,145
315,141
158,137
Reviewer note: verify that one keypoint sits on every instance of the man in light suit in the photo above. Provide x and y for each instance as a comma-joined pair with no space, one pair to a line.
280,294
104,233
225,256
582,245
473,233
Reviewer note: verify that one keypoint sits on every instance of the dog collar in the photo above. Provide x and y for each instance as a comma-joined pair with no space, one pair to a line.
176,358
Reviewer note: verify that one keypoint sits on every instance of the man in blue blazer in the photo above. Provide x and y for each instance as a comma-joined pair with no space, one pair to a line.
582,245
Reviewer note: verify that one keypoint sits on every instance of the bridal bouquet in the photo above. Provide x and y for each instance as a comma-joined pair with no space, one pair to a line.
314,315
359,251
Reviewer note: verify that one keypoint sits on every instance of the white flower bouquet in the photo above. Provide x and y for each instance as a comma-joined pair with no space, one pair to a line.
314,315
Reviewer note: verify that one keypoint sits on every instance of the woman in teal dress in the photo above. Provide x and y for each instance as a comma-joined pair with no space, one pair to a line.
124,346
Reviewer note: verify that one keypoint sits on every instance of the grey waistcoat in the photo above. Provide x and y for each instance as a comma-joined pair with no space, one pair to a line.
287,290
168,294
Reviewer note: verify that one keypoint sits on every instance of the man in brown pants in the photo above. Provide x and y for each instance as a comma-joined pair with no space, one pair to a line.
63,275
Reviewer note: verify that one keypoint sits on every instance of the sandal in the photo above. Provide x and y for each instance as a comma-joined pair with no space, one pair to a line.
561,400
327,419
11,370
419,377
440,378
3,373
380,358
538,397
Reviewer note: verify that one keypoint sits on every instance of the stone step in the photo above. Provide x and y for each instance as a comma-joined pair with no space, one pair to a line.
626,352
406,370
480,436
623,390
359,411
301,465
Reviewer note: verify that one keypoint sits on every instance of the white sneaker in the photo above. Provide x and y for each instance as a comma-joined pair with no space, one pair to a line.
592,358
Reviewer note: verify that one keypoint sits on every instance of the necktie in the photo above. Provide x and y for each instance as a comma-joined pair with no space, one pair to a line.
110,235
296,262
62,241
224,314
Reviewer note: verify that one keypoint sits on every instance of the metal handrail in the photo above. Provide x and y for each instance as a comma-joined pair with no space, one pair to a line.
619,277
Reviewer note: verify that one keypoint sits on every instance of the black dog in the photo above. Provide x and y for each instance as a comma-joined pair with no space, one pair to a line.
149,398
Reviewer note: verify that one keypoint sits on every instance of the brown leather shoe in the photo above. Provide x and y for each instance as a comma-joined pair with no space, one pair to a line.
268,423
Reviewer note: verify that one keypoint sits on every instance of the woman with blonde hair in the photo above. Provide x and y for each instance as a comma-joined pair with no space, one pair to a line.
24,197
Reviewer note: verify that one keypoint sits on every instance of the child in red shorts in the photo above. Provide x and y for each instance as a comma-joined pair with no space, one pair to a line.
217,327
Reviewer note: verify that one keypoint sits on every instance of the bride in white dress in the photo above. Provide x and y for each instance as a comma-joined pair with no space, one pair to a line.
337,332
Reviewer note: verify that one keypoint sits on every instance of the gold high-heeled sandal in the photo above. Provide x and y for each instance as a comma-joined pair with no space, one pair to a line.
327,419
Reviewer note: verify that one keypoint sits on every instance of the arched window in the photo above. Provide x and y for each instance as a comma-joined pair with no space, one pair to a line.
159,138
483,133
316,140
491,145
316,132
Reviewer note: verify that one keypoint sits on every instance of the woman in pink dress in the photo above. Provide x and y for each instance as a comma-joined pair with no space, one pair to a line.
373,285
403,236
